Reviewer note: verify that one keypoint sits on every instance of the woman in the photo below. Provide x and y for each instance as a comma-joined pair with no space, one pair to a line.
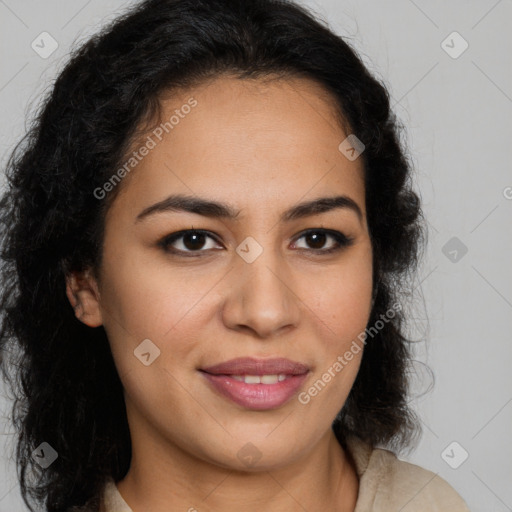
206,235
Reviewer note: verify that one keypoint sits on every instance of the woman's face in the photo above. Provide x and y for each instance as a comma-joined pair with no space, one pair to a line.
252,286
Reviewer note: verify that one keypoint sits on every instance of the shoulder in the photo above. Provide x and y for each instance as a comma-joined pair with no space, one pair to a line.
412,487
388,483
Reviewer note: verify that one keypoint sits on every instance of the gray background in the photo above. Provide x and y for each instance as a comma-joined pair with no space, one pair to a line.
457,112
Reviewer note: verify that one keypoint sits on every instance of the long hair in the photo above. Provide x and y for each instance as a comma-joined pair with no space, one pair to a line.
66,388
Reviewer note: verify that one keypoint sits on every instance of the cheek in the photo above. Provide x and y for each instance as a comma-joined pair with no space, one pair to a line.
341,312
141,302
149,295
341,298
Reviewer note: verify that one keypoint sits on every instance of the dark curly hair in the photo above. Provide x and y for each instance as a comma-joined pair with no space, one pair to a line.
66,388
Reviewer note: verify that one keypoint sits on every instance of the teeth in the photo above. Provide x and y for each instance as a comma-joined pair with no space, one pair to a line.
259,379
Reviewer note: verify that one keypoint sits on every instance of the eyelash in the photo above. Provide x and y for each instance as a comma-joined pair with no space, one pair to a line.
341,239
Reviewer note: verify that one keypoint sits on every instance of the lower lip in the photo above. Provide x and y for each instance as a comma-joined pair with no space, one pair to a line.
256,396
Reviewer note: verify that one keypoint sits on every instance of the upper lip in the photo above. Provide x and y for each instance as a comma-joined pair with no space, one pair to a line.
253,366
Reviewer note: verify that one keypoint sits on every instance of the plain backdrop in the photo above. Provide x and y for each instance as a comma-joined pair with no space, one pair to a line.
453,92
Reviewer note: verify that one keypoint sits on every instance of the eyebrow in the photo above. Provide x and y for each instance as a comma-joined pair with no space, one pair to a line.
214,209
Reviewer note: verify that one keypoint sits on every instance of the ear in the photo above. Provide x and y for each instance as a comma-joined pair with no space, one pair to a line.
84,296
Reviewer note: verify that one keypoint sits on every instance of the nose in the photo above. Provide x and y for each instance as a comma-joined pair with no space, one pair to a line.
261,297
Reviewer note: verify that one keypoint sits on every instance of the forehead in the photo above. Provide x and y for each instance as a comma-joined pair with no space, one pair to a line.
257,112
245,141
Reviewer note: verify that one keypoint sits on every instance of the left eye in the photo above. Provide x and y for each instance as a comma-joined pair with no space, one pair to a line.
317,237
193,241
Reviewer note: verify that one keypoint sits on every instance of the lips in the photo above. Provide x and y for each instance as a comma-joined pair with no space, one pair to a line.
268,384
252,366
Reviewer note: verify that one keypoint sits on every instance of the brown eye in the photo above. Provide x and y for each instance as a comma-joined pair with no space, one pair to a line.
316,239
188,241
194,241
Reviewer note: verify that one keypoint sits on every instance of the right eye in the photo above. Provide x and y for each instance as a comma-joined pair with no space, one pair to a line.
189,241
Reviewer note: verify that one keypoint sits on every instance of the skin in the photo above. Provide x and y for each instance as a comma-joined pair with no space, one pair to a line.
263,148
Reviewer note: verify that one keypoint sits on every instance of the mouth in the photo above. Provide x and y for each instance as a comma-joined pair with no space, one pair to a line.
258,384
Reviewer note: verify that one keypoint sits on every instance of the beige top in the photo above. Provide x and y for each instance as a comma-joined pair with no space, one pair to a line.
386,484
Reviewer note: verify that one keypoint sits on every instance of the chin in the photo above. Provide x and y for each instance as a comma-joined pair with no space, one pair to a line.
258,453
